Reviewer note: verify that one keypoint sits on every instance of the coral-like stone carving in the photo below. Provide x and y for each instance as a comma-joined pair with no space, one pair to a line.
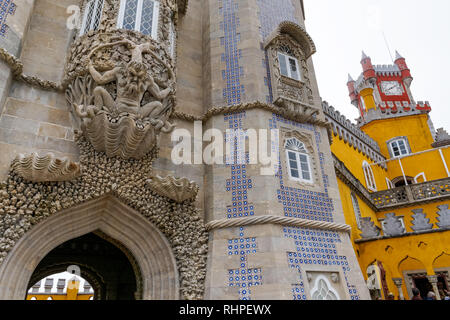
45,169
122,91
25,204
392,225
420,222
444,217
177,189
369,229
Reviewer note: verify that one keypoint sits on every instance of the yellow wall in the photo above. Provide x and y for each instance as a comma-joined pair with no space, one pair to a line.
430,163
71,294
353,160
415,127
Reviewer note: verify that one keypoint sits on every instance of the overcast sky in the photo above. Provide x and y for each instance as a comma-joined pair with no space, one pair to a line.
419,30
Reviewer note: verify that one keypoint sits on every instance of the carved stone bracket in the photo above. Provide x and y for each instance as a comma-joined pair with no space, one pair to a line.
420,222
368,228
177,189
45,169
121,88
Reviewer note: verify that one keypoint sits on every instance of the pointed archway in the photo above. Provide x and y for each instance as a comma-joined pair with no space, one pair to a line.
148,246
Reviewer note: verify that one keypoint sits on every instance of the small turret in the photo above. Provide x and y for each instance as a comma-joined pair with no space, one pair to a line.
401,64
352,90
368,69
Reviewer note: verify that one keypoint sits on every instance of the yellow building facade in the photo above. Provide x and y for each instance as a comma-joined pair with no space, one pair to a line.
394,183
65,290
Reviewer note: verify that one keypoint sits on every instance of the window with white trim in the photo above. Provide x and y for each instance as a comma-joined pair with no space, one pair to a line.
298,161
139,15
92,16
356,209
399,148
370,179
289,66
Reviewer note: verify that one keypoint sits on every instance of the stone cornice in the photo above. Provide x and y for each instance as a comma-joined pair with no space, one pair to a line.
283,221
16,67
352,135
408,234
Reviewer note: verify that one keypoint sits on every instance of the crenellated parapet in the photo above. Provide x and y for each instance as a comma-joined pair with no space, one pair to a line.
352,135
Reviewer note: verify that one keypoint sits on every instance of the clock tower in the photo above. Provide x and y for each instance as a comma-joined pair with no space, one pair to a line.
382,94
384,91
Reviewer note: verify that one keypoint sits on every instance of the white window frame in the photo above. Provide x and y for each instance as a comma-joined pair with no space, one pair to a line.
370,178
398,146
84,29
389,184
420,175
288,66
299,164
137,25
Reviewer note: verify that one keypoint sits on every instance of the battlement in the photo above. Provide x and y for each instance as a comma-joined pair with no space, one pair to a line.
351,134
387,70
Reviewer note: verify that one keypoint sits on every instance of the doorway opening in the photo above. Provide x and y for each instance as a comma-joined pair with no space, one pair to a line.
107,267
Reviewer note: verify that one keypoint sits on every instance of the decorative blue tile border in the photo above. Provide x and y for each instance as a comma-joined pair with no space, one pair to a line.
244,277
316,247
234,90
271,14
7,7
303,203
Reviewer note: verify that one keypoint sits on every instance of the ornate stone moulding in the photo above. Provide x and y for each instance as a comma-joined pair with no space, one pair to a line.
297,32
177,189
48,168
121,89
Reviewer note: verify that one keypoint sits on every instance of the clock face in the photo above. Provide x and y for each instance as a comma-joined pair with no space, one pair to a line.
391,88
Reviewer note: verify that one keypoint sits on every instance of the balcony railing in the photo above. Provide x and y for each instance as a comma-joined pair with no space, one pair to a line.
406,195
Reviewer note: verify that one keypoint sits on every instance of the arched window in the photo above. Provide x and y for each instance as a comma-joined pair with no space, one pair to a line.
289,66
399,147
139,15
92,16
298,161
370,179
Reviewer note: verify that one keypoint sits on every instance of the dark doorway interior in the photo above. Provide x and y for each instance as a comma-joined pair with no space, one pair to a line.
423,285
106,267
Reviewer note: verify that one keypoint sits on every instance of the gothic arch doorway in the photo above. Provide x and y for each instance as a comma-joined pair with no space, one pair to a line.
155,267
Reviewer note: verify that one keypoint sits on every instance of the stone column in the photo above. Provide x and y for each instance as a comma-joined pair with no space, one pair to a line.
398,283
434,280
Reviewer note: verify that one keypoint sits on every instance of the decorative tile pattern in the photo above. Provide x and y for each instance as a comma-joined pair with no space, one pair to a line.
239,183
320,248
234,90
7,7
271,14
302,203
244,277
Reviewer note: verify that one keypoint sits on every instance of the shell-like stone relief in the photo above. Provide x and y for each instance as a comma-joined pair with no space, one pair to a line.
122,91
177,189
48,168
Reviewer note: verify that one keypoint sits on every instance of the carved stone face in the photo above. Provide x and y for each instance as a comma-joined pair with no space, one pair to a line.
136,70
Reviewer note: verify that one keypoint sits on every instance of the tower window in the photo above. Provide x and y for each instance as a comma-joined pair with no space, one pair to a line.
298,161
92,16
399,148
289,66
139,15
370,179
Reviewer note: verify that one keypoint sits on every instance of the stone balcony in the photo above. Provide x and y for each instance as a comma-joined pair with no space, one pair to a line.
412,194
